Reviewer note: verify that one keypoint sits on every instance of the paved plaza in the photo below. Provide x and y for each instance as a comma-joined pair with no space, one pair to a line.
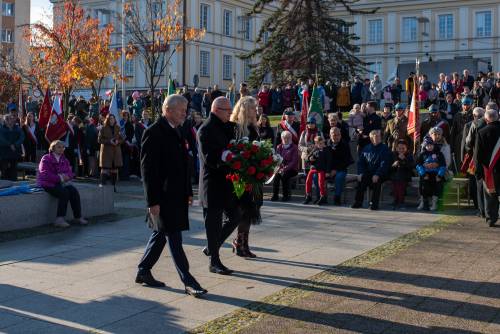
82,279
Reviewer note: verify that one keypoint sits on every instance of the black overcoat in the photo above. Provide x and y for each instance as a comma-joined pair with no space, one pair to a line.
214,190
165,172
486,140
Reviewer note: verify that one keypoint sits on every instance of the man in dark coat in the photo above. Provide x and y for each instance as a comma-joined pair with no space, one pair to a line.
215,191
373,168
11,140
167,187
371,122
487,160
435,119
457,129
341,158
448,108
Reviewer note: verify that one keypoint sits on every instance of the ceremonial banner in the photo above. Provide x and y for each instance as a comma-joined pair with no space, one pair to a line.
315,108
56,127
414,118
304,110
45,111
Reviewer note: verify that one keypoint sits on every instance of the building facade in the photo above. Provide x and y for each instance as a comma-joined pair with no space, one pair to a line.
14,15
402,30
212,60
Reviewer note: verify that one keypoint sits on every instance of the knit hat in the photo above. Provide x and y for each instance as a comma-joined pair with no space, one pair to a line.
311,120
467,101
428,141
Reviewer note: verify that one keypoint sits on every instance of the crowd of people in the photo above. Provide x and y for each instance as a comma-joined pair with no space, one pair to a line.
98,145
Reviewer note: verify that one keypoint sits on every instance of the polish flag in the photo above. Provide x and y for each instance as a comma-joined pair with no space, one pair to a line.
45,111
57,127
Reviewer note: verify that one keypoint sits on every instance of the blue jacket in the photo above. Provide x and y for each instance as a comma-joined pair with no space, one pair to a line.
427,157
8,137
375,160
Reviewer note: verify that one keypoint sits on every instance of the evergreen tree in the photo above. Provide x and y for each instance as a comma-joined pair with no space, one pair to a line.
304,39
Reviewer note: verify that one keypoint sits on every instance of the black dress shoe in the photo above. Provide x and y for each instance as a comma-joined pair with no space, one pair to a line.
374,207
149,280
274,198
219,269
206,251
307,200
356,205
196,292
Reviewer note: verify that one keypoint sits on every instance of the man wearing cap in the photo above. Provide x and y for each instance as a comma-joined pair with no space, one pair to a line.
397,128
288,124
435,119
457,128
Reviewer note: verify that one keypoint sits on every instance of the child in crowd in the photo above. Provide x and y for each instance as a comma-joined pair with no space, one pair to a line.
319,160
355,120
401,172
431,167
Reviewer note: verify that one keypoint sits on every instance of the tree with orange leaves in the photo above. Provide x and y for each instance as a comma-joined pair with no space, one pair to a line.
156,32
74,53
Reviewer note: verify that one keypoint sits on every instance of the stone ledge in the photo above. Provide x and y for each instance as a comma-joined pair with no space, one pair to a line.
37,209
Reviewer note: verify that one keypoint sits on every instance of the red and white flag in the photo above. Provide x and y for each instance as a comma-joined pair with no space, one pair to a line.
414,117
20,111
489,176
56,127
45,111
304,110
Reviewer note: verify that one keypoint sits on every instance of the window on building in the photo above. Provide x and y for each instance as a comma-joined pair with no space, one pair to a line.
265,37
7,36
228,23
204,63
205,17
246,69
346,29
375,67
409,29
129,67
483,24
227,67
246,28
7,9
375,31
158,9
445,28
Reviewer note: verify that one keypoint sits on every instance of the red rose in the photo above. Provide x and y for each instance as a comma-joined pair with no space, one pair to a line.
260,176
240,146
263,163
251,170
229,157
271,172
248,187
246,154
230,146
254,149
229,177
236,165
235,178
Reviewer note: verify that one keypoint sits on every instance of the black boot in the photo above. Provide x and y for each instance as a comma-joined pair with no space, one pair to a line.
114,176
323,200
336,200
307,200
103,179
246,248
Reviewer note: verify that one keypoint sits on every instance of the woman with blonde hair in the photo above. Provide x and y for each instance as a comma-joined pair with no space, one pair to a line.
110,155
54,173
245,116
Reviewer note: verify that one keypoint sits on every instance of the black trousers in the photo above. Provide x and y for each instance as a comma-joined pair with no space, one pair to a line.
366,182
154,249
481,197
9,169
217,230
472,190
65,194
431,187
285,179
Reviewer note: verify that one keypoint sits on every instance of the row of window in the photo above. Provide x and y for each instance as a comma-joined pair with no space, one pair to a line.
7,36
227,66
445,27
245,23
7,9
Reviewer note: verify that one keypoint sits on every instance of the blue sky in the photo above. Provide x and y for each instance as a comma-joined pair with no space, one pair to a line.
40,9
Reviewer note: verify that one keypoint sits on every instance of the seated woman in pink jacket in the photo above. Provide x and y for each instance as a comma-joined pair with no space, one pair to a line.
54,173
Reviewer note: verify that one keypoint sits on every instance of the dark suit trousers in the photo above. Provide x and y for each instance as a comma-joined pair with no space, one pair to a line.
217,232
65,194
491,206
153,251
480,196
366,182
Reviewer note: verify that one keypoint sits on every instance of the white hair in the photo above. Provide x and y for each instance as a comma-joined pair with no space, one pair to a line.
173,101
286,134
478,111
491,115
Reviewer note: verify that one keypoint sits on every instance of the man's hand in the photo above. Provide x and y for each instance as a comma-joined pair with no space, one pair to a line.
154,210
375,178
190,200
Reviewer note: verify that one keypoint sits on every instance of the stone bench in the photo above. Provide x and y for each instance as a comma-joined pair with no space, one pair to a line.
37,209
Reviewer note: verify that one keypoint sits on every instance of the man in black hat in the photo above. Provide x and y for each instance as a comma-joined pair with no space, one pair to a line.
288,124
435,119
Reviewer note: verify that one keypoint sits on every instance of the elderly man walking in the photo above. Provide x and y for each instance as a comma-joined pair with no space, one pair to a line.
215,191
487,159
167,186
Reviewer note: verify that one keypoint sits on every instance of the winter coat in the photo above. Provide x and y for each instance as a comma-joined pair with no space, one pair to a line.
427,157
376,89
343,97
375,160
110,156
290,157
355,121
305,145
396,129
266,133
402,169
49,170
320,159
356,94
264,98
8,137
196,101
277,102
341,157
